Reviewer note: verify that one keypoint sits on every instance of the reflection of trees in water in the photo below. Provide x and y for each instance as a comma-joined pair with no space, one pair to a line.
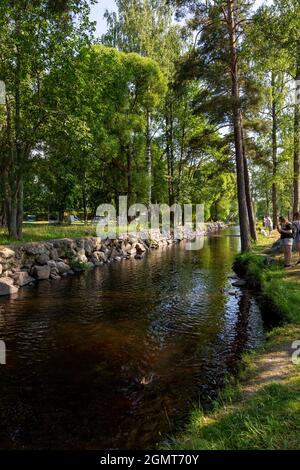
147,335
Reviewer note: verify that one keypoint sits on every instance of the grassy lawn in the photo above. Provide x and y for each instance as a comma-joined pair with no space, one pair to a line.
40,231
33,232
260,409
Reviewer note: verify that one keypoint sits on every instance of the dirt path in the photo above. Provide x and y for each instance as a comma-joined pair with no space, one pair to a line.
272,366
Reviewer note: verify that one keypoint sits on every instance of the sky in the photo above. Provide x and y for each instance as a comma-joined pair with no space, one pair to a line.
98,10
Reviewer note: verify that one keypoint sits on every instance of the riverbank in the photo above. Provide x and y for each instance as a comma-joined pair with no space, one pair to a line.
42,231
260,409
25,263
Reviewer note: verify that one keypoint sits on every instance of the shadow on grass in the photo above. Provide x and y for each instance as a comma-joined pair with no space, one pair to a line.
269,420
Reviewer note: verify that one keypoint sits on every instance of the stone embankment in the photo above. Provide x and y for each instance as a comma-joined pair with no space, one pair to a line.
24,264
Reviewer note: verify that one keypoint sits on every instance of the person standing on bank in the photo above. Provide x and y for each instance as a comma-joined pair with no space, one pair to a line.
285,228
296,223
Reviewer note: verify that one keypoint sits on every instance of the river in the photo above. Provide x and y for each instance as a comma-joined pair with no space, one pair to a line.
116,357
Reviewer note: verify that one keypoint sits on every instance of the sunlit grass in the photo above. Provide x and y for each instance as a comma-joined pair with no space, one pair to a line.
40,231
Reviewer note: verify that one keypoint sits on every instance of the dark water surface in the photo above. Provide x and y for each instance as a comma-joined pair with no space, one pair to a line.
117,356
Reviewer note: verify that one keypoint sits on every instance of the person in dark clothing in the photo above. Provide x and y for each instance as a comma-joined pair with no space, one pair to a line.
296,223
285,228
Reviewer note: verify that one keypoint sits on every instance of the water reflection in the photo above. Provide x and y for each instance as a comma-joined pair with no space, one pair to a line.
116,356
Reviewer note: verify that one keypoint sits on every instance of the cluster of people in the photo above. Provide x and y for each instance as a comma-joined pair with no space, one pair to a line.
289,233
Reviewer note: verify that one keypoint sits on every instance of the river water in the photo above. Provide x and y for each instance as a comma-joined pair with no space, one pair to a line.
116,357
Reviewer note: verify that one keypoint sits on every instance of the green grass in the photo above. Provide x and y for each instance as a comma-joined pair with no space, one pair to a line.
269,420
35,232
281,287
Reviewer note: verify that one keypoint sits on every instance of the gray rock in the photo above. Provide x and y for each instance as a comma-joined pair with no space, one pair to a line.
7,289
54,275
6,253
41,272
52,263
276,247
114,254
8,273
88,247
239,283
7,280
62,267
42,259
81,257
35,249
131,251
22,278
54,254
140,247
96,241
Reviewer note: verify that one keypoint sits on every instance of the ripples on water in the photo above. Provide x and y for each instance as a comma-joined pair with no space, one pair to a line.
115,357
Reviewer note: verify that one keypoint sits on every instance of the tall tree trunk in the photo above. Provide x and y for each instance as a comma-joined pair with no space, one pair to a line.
249,200
296,206
148,160
170,151
238,135
129,177
20,207
274,151
84,198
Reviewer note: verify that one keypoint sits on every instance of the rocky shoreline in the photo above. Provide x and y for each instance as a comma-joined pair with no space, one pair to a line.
27,263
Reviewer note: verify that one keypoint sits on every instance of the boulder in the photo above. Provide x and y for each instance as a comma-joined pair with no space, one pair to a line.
82,258
239,283
54,275
54,254
101,256
42,259
1,269
7,289
114,254
6,254
131,251
140,248
41,272
96,241
98,257
62,267
22,278
7,280
52,263
88,246
35,249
